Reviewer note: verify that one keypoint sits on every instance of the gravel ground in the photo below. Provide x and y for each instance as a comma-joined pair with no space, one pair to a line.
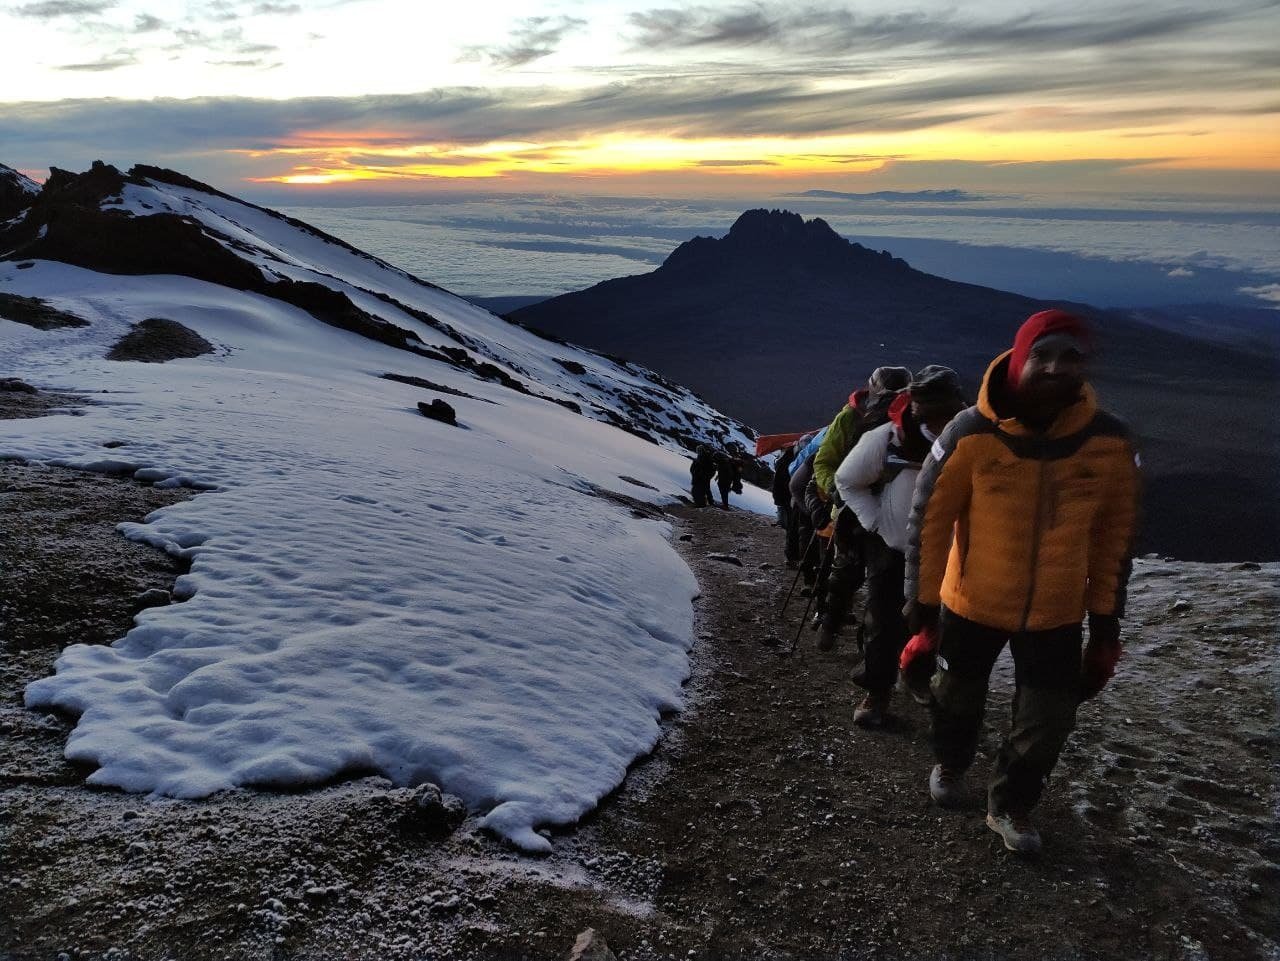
765,825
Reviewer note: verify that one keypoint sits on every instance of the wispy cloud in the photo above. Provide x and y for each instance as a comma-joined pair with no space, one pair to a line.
146,23
114,62
532,39
839,30
676,107
248,62
273,9
1267,292
52,9
736,163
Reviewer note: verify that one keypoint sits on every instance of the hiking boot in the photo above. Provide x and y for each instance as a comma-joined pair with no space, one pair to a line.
1016,830
946,787
873,710
826,637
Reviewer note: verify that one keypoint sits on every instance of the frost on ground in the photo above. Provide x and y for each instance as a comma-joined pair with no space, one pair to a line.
369,590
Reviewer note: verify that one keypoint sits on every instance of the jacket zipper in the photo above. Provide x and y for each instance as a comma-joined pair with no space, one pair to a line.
1035,539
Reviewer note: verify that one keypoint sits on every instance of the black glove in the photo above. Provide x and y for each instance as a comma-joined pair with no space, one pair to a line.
920,617
1101,654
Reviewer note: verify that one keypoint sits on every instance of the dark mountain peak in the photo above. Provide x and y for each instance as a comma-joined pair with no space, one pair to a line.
772,240
782,230
86,189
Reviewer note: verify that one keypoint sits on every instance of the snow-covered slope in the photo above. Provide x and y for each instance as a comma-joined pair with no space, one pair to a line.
370,589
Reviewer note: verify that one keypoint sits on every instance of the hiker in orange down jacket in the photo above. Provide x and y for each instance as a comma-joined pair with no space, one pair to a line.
1022,523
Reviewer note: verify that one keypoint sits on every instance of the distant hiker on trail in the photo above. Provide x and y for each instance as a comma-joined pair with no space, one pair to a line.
877,481
701,471
801,478
782,503
1023,521
728,477
866,409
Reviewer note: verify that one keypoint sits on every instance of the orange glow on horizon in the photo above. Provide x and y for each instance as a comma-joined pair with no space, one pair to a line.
318,157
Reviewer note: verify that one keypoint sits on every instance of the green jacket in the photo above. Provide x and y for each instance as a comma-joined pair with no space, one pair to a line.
841,436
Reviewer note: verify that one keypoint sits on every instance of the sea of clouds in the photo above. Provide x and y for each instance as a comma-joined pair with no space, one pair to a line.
1111,256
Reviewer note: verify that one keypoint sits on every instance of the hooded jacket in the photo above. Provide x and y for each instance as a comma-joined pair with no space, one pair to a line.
878,477
1025,531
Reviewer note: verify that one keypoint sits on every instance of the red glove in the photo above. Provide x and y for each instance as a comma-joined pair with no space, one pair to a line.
1101,654
917,663
922,644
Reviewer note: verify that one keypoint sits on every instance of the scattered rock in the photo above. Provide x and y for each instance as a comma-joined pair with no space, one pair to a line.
686,537
17,386
637,483
1180,606
438,410
113,444
725,559
437,812
590,946
1248,566
37,313
153,597
156,340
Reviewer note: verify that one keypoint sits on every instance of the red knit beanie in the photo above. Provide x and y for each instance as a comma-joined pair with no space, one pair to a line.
1037,326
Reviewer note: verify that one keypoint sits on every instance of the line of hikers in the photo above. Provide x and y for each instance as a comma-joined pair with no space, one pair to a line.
972,527
724,467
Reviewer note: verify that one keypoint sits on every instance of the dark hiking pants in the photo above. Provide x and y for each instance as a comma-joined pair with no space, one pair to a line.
791,522
884,626
1047,676
847,571
808,552
701,491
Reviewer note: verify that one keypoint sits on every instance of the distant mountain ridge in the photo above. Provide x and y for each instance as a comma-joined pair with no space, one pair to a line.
777,321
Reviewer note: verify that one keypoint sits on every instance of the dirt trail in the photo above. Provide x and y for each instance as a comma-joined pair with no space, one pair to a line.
765,825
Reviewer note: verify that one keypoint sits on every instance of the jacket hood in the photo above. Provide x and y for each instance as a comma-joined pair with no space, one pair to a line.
899,408
858,399
995,403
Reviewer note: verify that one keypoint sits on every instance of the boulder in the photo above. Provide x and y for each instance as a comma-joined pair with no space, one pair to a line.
438,410
437,812
590,946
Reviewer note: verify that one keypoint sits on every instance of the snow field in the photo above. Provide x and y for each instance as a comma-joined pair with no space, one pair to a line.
370,590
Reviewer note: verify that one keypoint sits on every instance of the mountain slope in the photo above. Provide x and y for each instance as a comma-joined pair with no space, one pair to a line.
370,590
788,305
17,191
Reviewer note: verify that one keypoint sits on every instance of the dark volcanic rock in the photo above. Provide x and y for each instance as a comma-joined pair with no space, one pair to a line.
16,192
36,313
439,410
67,223
156,340
437,813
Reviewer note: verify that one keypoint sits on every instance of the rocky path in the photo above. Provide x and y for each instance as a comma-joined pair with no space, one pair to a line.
765,826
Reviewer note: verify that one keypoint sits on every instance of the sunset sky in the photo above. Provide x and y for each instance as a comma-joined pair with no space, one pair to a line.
636,97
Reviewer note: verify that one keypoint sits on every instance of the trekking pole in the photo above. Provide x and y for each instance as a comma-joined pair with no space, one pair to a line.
795,641
800,570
